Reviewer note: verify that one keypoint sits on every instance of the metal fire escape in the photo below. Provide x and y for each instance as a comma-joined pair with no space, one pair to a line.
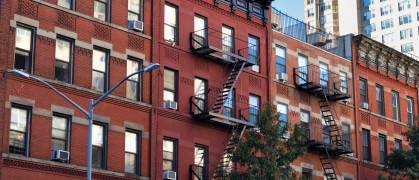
326,87
235,54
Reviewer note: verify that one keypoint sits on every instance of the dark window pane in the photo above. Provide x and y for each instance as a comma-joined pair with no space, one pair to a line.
97,157
61,71
22,60
17,143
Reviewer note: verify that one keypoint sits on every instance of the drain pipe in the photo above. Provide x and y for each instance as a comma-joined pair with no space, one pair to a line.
356,117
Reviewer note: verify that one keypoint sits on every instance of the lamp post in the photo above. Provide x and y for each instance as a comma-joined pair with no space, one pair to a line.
92,104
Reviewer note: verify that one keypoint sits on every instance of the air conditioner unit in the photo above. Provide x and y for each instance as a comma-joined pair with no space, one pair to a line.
135,25
364,105
286,135
169,175
60,155
346,100
254,68
170,105
282,77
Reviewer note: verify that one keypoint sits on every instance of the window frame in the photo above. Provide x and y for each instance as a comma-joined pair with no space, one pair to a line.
406,33
32,47
252,107
106,73
380,111
397,111
72,5
308,172
27,129
365,90
347,134
305,125
71,58
410,121
402,19
384,24
284,58
383,158
175,91
140,79
68,135
175,153
230,104
175,27
202,37
398,142
104,146
281,121
107,10
366,148
206,158
257,55
140,13
138,154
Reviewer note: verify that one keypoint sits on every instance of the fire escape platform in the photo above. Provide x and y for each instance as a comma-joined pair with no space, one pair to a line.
333,149
315,88
209,52
221,119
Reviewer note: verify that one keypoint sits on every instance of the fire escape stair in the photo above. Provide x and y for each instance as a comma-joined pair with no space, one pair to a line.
326,161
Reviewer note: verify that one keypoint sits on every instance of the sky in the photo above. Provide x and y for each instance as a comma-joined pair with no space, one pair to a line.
294,8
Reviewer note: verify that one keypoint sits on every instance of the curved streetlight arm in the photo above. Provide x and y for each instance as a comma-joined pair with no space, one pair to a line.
61,94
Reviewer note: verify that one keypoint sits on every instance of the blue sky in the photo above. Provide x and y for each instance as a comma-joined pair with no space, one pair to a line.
294,8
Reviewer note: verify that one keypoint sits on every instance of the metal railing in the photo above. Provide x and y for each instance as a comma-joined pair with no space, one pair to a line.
318,131
324,77
201,104
224,43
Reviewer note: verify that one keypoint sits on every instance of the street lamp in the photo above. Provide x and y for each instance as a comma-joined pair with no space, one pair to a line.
92,104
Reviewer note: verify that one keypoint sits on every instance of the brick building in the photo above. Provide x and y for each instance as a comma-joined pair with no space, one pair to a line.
82,48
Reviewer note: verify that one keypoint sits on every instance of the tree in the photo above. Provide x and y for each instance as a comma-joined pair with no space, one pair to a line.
404,164
264,152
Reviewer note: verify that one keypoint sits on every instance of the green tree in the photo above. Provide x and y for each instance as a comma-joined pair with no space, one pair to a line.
264,153
404,164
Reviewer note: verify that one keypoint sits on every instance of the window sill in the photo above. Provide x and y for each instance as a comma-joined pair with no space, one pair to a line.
383,117
65,165
372,163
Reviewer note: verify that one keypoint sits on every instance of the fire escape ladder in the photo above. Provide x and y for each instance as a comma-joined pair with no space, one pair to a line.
327,114
226,159
228,87
328,168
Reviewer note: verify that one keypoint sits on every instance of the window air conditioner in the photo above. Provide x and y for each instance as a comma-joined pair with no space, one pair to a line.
170,105
346,100
254,68
364,105
169,175
282,77
60,155
135,25
286,135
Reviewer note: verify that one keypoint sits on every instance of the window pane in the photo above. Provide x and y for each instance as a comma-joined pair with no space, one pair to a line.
98,81
17,143
283,113
130,163
199,24
132,90
169,33
59,127
304,117
57,145
169,15
97,135
22,61
19,119
200,88
168,96
99,60
131,142
199,156
134,6
169,79
97,156
62,71
132,16
167,165
132,67
62,50
64,3
100,11
23,38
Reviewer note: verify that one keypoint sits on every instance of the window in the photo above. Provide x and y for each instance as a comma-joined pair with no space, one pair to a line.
407,33
343,80
134,82
366,144
282,110
99,74
324,75
253,55
369,14
398,144
395,105
367,2
380,99
201,159
170,23
63,51
404,5
310,12
101,9
346,135
306,174
405,19
387,24
310,1
134,10
311,25
254,103
200,93
132,152
370,28
170,85
325,6
98,146
407,48
410,114
325,131
65,3
281,66
169,154
386,10
388,38
18,139
383,148
229,105
322,19
24,49
60,131
200,31
228,41
363,91
305,123
302,69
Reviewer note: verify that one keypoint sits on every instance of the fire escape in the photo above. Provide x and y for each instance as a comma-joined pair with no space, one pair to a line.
325,137
221,107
